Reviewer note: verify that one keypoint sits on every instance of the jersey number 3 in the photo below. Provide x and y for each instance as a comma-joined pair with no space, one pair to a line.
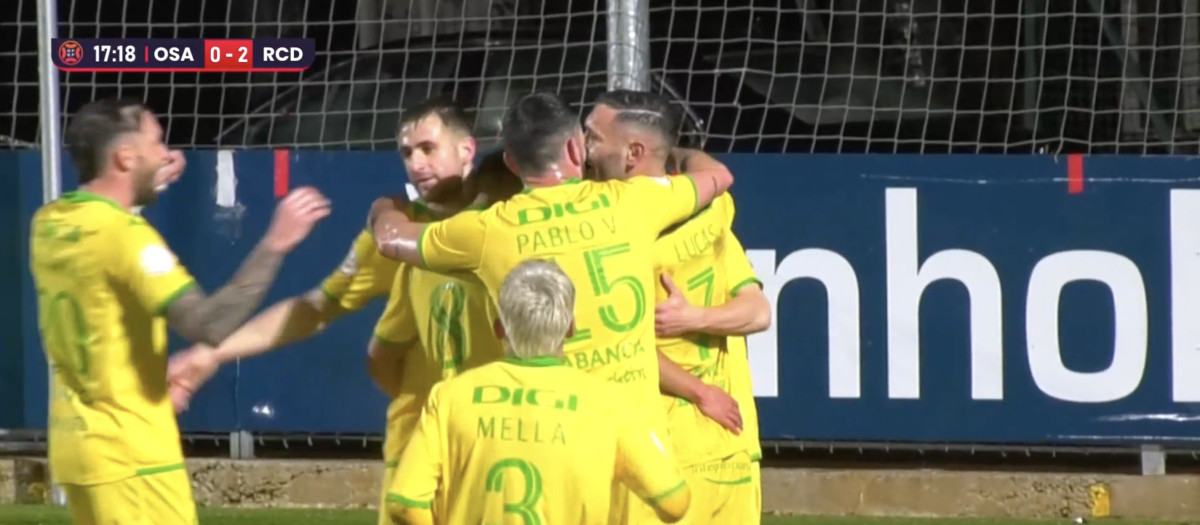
525,507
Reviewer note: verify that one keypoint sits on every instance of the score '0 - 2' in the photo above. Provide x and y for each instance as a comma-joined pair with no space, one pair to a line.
215,54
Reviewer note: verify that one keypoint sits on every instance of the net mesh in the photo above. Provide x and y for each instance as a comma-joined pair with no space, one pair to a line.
752,75
932,76
374,57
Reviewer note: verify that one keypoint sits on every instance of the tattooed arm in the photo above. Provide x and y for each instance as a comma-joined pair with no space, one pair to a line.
210,319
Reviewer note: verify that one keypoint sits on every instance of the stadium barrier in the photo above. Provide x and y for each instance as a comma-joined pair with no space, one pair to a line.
1035,300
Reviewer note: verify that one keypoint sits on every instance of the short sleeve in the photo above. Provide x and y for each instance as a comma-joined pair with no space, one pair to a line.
644,465
363,275
737,265
150,268
398,323
662,201
453,244
419,472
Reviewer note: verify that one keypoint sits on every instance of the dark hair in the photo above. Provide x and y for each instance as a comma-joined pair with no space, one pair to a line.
652,111
94,129
493,179
535,128
452,114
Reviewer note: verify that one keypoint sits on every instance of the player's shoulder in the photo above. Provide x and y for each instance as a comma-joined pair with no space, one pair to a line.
83,207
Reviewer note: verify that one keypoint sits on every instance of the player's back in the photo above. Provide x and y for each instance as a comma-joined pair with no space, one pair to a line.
102,276
602,236
689,253
529,439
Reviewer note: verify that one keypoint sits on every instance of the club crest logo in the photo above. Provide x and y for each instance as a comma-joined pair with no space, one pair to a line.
70,52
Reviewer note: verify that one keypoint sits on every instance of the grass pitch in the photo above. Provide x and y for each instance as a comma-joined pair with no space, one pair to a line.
45,515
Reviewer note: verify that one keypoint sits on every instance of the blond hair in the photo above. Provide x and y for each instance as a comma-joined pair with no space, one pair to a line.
537,308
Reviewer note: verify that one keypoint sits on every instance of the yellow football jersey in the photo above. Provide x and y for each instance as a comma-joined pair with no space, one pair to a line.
690,254
602,235
104,277
451,320
363,275
740,275
531,441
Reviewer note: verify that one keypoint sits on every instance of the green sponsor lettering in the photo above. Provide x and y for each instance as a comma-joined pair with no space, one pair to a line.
557,210
537,397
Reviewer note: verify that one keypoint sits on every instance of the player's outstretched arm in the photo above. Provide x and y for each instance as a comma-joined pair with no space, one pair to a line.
710,176
211,319
713,402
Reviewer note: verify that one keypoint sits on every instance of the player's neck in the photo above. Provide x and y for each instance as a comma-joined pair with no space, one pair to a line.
547,179
107,188
649,169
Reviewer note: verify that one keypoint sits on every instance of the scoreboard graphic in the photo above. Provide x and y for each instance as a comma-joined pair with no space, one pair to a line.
260,55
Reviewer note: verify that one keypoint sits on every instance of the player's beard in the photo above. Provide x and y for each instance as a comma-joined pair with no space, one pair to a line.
597,169
146,193
446,189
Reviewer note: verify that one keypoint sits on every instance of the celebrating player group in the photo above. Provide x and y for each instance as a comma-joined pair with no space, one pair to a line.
563,341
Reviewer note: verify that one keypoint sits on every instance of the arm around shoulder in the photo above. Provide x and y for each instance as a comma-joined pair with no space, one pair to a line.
710,176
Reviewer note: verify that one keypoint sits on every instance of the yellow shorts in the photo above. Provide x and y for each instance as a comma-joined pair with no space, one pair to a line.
389,472
161,498
725,491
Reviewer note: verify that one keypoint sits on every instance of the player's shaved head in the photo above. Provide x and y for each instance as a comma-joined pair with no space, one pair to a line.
536,129
96,128
644,111
537,309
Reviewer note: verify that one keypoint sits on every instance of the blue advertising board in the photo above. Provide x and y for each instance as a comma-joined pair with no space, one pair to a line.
982,299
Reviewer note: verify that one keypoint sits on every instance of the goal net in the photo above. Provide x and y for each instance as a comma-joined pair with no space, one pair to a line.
374,57
930,76
845,76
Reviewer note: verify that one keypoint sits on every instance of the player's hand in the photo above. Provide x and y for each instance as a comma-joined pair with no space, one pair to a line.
385,205
295,217
719,406
675,316
171,171
187,371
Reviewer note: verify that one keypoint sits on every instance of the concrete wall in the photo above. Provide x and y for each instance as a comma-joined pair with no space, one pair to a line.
309,483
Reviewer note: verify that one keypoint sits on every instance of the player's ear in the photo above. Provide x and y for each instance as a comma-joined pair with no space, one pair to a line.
634,153
571,329
575,152
124,158
512,165
498,328
466,149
